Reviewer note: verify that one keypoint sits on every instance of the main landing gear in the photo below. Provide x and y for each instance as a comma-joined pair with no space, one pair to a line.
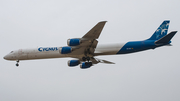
88,63
87,59
17,64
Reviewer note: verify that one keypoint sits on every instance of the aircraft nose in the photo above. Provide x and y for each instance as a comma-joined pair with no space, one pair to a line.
6,57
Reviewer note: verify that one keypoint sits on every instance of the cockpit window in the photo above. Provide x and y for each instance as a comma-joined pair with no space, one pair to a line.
11,52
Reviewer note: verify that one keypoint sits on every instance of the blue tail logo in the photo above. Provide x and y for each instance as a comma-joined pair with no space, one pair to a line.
161,31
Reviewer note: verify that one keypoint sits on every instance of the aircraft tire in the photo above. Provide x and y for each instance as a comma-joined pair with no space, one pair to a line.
17,64
84,58
88,58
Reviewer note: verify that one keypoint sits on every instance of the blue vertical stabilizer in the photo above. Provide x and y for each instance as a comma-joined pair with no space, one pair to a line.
161,31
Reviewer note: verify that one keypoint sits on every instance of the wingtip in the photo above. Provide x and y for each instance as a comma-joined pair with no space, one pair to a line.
102,21
167,20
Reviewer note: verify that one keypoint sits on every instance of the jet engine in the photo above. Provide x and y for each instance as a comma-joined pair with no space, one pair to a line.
65,50
72,63
86,65
73,42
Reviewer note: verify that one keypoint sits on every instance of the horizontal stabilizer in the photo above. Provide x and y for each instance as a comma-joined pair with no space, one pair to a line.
166,38
105,61
96,61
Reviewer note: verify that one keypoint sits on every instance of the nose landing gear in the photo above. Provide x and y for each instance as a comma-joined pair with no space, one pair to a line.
17,64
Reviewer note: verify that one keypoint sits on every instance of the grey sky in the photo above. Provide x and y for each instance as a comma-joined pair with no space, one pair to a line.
151,75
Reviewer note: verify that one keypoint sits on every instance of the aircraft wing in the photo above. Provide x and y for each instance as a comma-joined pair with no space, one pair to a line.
95,31
85,51
88,46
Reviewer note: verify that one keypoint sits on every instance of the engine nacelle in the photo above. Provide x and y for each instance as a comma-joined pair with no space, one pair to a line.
73,42
65,50
72,63
86,65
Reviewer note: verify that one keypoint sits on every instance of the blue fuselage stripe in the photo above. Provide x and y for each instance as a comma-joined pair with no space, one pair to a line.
135,46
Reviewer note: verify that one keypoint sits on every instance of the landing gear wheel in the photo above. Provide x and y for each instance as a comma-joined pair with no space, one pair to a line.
84,58
88,58
88,63
17,64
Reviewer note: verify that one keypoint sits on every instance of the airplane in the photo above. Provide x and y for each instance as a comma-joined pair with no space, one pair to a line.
85,49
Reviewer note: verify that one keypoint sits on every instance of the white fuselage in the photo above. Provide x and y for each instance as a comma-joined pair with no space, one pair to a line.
53,52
